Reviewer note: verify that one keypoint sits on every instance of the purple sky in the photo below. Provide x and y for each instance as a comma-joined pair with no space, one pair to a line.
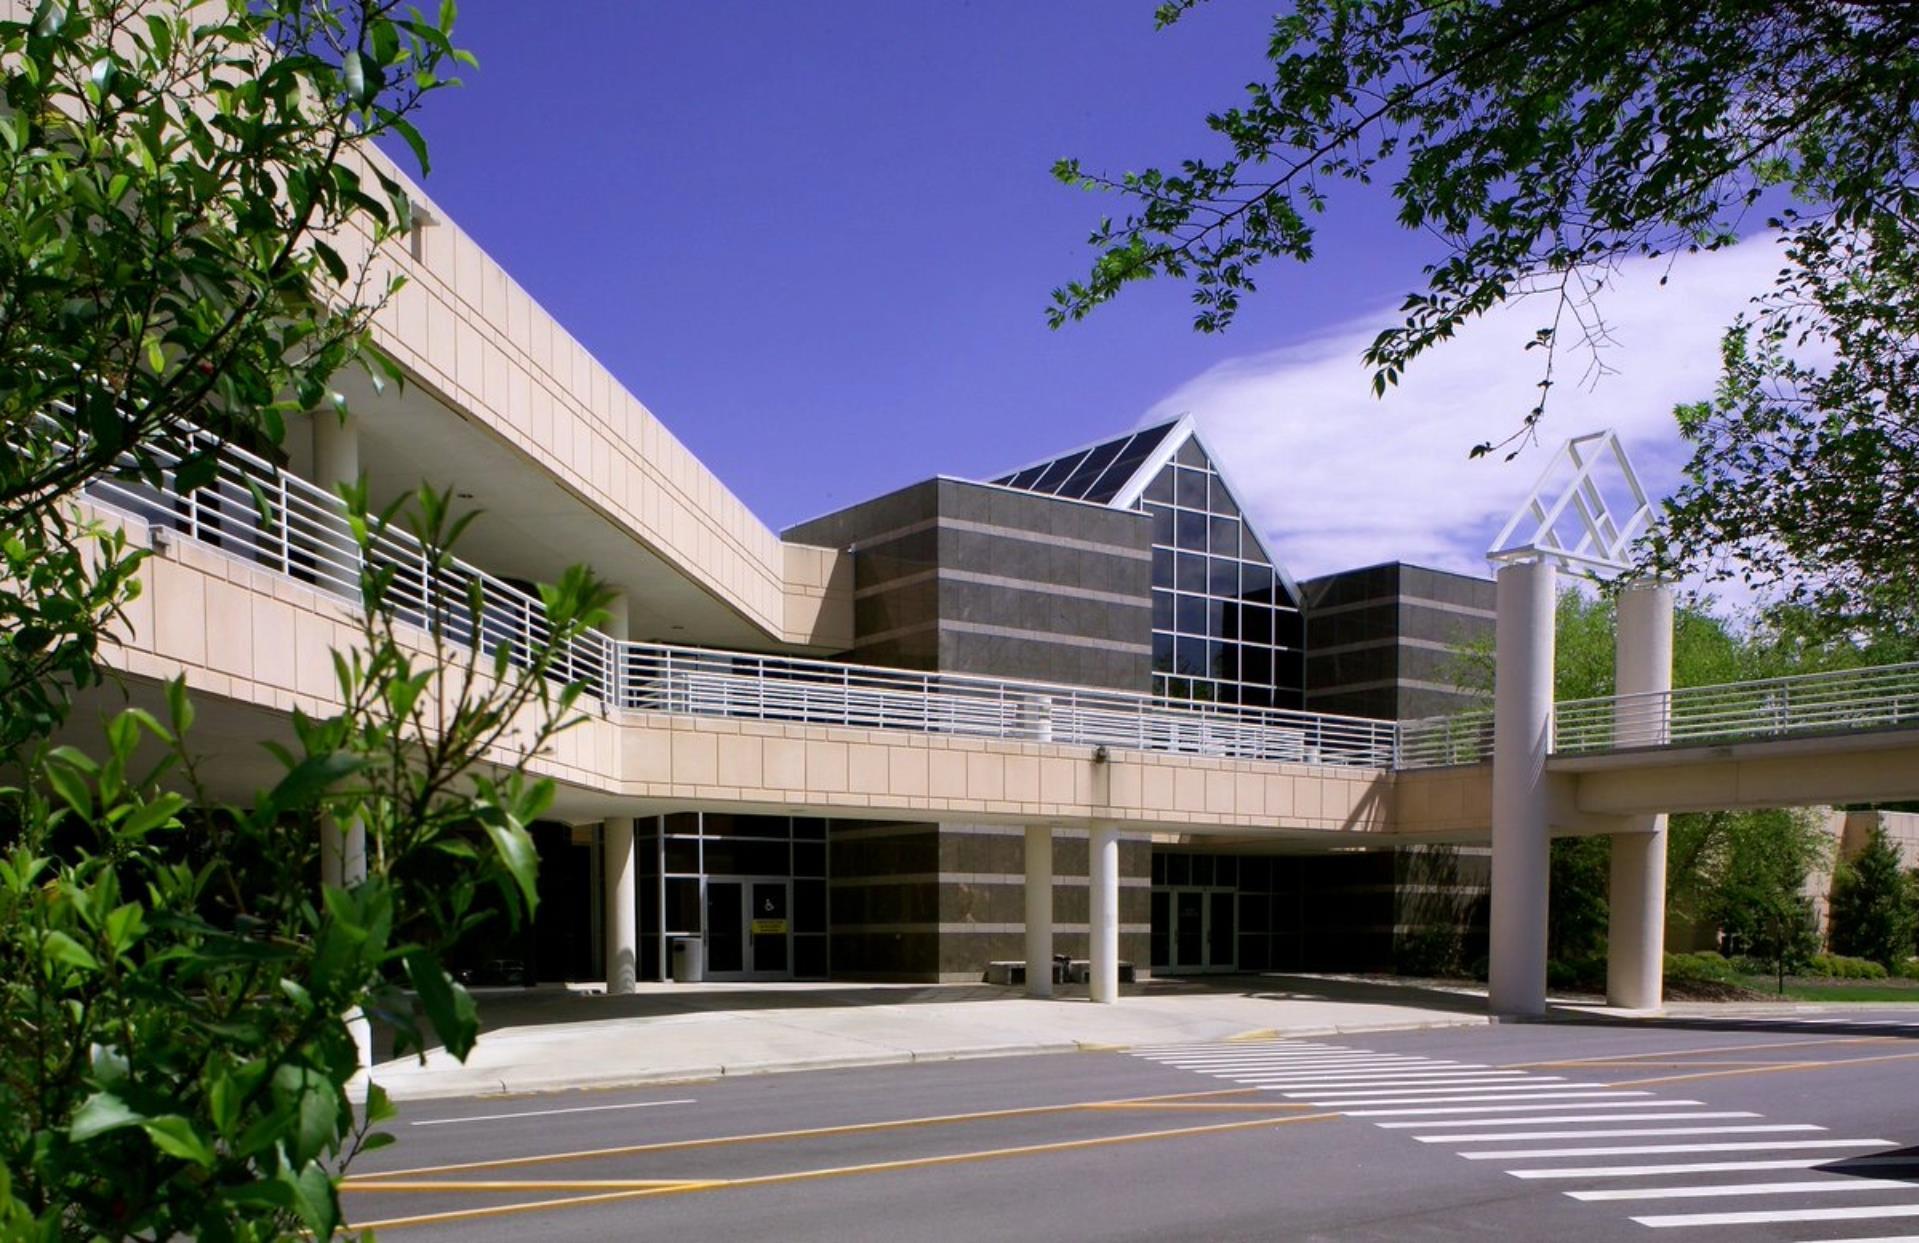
818,240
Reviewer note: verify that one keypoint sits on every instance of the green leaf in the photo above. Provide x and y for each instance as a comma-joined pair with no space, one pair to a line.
178,1137
71,787
354,74
312,777
100,1113
378,1107
516,850
314,1198
62,948
449,1007
314,1103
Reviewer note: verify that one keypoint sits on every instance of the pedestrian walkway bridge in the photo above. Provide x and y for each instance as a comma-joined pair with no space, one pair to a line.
292,527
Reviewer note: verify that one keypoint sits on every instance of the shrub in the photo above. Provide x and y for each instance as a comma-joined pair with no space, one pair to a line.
1909,969
1702,965
1841,967
1585,972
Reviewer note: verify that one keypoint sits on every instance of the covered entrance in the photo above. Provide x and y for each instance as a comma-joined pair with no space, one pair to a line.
1194,930
749,928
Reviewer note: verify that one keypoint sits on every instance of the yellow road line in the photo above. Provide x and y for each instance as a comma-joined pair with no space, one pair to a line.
1724,1048
523,1184
795,1176
854,1128
1220,1105
1764,1070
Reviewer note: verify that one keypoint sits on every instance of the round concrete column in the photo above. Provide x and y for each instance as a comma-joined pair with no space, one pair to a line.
1102,948
619,869
342,866
336,449
1522,734
1039,911
1642,673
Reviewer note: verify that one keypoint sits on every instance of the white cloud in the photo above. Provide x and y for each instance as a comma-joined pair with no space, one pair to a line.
1339,479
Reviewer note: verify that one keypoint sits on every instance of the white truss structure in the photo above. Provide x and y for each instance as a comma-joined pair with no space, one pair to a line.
1604,541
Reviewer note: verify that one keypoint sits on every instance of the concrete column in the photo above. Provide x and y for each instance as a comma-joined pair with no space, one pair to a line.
1039,911
336,449
1636,932
342,866
620,867
1102,878
1522,729
336,461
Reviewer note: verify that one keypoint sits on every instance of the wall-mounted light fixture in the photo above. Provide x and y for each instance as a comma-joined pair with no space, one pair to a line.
1101,754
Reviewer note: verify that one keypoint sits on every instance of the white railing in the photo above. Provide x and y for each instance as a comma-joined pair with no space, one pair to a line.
1844,701
293,527
290,526
1442,741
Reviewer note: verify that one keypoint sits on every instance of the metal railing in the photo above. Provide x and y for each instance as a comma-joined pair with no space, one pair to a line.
293,527
1442,741
1844,701
290,526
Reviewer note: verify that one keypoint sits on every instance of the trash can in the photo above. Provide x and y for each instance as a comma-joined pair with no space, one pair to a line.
689,966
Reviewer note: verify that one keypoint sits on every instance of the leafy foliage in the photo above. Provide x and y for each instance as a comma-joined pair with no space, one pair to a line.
1874,914
182,187
187,219
176,989
1540,146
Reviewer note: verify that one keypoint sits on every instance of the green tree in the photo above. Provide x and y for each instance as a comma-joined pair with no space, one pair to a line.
1540,146
187,209
1872,905
1758,896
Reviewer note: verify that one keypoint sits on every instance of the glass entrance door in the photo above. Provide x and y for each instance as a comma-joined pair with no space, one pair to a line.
768,929
1199,929
749,929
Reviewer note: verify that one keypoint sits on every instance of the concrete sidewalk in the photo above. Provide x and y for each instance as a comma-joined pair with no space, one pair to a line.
549,1040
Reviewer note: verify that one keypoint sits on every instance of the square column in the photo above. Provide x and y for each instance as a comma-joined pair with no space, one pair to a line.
1039,911
1102,878
1522,737
619,869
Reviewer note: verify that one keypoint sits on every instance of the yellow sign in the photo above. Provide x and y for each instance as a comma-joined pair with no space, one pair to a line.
769,927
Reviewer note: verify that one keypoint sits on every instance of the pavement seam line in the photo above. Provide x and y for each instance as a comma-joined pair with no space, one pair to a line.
1766,1070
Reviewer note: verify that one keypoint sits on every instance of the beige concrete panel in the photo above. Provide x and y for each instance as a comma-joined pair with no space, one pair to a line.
867,768
179,611
741,762
985,777
826,767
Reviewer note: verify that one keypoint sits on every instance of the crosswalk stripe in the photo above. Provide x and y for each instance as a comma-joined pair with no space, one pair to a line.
1441,1090
1821,1186
1619,1133
1462,1079
1341,1060
1602,1094
1628,1150
1701,1167
1860,1212
1556,1118
1594,1101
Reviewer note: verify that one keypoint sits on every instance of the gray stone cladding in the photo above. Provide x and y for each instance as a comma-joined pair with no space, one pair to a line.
975,578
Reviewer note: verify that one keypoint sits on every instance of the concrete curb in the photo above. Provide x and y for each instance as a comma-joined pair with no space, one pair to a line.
534,1084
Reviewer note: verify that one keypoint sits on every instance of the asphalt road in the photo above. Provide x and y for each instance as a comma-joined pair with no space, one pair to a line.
1681,1130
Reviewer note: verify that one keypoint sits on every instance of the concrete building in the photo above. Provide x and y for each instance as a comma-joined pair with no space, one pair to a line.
1079,709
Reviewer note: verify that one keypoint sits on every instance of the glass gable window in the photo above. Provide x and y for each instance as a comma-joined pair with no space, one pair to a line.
1096,474
1235,632
1225,628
